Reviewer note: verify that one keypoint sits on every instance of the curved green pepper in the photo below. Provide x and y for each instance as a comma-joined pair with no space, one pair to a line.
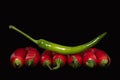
42,43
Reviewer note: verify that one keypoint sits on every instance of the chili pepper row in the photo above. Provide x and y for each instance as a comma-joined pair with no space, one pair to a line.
28,56
31,57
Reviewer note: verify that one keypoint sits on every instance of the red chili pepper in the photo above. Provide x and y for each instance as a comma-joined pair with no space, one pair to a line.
89,58
32,57
102,57
59,60
17,58
74,60
46,59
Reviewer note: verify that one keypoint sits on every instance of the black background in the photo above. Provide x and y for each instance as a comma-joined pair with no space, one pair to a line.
68,26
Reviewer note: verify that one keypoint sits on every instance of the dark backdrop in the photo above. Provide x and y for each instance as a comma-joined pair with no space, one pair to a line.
67,27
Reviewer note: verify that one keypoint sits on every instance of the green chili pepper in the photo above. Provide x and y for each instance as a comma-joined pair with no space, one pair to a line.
42,43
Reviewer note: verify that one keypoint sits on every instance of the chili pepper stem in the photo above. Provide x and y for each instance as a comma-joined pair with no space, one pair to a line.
75,64
58,64
26,35
17,64
103,63
90,63
30,63
49,67
47,63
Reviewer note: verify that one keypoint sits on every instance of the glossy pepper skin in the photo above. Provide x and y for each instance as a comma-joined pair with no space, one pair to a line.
59,61
89,59
42,43
17,58
74,60
46,59
32,57
103,58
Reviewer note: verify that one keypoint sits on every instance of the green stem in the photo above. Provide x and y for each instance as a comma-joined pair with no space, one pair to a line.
26,35
47,63
17,64
49,66
30,63
75,63
58,64
90,63
104,63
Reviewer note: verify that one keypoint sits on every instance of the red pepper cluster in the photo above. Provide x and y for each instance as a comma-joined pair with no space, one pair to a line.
31,57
